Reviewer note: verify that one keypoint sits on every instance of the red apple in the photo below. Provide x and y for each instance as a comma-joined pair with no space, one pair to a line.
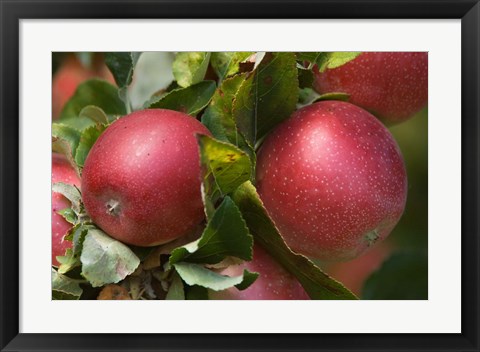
70,75
65,83
141,180
353,273
333,180
61,172
274,281
391,85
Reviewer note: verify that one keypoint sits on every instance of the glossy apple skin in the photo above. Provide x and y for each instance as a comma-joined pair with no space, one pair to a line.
391,85
61,172
274,282
333,180
141,180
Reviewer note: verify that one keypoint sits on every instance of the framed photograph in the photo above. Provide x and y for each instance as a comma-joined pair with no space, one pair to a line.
239,176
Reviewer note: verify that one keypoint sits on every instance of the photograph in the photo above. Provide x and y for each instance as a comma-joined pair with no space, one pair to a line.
283,176
239,175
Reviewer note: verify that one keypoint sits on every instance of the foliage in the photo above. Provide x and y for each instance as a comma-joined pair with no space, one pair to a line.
250,95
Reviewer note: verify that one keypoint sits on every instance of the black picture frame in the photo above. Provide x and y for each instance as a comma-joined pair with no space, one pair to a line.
12,11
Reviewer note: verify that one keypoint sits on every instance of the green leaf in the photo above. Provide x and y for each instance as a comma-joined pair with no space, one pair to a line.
317,284
226,166
228,63
64,288
105,260
190,100
67,262
218,116
93,92
333,96
335,59
309,96
142,252
71,259
196,293
328,60
306,97
94,113
248,279
176,290
69,215
65,140
70,192
122,65
87,140
404,276
226,235
195,274
78,123
311,57
190,67
250,151
267,96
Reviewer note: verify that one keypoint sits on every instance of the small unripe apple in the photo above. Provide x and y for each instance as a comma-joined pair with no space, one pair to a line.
141,179
332,179
274,281
61,172
391,85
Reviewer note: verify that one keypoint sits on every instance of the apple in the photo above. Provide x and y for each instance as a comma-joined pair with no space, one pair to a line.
391,85
70,75
333,180
65,82
354,273
274,282
61,172
141,181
